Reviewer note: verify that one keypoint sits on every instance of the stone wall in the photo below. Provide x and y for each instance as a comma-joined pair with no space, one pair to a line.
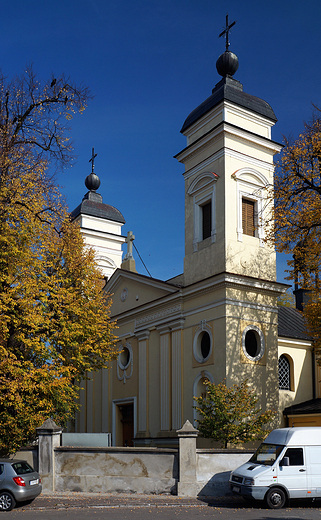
120,470
187,471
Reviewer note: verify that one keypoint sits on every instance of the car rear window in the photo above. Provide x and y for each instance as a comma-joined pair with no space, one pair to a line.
21,468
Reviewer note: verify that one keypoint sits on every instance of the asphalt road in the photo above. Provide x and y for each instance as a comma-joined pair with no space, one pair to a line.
147,507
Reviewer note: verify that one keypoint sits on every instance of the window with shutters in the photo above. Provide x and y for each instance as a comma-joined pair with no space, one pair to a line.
248,217
206,220
251,208
202,191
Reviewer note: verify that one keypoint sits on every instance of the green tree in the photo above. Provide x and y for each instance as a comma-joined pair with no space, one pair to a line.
54,315
297,216
231,415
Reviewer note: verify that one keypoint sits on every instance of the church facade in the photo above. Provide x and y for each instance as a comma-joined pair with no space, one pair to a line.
218,320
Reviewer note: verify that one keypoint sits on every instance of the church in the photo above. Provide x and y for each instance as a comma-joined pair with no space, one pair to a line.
218,320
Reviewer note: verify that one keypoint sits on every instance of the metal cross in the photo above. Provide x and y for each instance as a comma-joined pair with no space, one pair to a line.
92,159
226,32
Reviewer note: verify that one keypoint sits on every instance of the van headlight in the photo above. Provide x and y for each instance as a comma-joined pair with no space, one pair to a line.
249,482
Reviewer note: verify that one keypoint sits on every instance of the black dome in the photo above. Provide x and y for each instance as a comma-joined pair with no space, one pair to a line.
92,182
227,64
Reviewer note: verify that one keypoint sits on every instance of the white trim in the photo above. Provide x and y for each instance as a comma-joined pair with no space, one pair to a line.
122,367
250,185
203,327
118,402
261,340
201,375
203,191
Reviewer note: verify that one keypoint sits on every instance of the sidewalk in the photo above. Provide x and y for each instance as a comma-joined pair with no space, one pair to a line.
122,500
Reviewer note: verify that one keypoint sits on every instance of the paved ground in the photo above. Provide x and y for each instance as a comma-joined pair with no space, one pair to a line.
92,500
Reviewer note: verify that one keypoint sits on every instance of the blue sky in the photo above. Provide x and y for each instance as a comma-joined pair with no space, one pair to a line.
148,65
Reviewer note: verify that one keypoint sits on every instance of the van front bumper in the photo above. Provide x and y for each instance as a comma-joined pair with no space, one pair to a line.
255,492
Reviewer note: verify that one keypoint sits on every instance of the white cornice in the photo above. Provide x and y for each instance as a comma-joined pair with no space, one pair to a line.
234,109
122,274
294,342
229,129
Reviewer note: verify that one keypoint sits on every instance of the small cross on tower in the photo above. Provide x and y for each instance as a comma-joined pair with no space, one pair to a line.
92,159
129,241
226,31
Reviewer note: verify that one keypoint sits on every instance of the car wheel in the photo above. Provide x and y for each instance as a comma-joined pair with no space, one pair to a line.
7,502
275,498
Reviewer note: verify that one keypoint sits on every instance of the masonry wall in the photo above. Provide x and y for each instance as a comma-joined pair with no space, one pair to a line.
116,470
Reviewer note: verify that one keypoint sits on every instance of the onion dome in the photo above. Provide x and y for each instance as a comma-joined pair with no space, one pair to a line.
227,64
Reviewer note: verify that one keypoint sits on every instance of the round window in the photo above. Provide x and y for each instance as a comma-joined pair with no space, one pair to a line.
253,343
202,346
124,358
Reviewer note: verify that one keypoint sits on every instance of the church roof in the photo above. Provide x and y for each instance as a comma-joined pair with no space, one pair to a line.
93,205
291,324
305,408
231,90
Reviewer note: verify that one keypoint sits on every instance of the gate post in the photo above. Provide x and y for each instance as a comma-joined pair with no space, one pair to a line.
49,438
187,484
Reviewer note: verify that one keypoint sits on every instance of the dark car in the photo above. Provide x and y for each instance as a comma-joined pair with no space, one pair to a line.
19,482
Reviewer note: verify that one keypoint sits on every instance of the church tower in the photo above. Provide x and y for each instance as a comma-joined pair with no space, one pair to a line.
228,266
100,225
228,170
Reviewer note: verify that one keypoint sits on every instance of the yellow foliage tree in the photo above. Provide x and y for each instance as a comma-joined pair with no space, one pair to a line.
54,324
297,214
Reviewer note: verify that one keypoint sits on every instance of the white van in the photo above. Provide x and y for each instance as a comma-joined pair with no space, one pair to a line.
286,465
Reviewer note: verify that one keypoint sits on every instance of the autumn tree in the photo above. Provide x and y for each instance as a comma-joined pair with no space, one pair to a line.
297,216
231,415
54,324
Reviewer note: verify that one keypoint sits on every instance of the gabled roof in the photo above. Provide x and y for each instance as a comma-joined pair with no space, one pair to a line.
231,90
291,324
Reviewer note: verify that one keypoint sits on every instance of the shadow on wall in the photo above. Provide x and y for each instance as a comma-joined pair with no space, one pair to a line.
217,485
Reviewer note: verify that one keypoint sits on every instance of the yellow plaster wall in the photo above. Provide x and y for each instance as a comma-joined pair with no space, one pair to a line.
301,354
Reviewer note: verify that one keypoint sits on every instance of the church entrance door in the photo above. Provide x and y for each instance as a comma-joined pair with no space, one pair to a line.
127,421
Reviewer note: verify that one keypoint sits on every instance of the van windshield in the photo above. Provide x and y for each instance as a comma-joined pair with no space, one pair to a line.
266,454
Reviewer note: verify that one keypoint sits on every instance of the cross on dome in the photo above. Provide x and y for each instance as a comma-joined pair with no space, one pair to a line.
92,160
226,31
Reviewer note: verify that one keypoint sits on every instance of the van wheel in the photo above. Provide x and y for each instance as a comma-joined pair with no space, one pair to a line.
7,502
275,498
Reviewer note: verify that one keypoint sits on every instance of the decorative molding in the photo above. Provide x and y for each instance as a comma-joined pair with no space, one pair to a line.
204,374
119,402
142,335
158,315
123,368
261,339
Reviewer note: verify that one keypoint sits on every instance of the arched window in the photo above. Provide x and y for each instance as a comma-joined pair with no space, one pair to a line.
202,189
284,373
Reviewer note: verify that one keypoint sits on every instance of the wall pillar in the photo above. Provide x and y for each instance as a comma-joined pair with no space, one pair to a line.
49,438
187,484
164,352
142,380
176,329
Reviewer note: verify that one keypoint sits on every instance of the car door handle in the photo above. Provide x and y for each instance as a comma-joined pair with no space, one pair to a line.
302,469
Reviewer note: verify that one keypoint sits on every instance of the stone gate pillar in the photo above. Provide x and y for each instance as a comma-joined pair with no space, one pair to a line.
49,438
187,484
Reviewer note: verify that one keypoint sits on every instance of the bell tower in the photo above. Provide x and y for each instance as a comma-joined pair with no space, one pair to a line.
100,225
228,171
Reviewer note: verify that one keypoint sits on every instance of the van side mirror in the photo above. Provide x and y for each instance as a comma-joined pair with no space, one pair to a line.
285,461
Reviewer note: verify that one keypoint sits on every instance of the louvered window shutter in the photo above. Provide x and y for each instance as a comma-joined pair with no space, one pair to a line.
248,224
207,220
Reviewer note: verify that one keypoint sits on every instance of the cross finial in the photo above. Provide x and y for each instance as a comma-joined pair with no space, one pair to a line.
226,31
92,159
